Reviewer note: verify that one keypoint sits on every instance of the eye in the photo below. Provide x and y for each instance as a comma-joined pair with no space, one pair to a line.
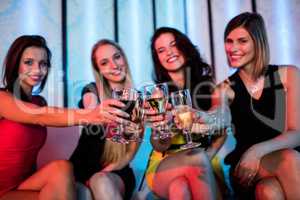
173,43
228,41
243,40
160,50
103,62
28,62
117,56
44,64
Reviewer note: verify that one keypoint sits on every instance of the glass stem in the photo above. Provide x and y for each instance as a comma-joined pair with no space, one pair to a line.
188,136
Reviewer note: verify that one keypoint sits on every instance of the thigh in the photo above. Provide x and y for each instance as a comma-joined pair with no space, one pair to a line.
40,178
180,164
273,162
20,195
128,178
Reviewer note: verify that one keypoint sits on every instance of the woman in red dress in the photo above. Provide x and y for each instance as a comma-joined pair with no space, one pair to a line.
23,117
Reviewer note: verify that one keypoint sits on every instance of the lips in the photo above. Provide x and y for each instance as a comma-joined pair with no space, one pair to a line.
235,57
36,78
172,59
116,72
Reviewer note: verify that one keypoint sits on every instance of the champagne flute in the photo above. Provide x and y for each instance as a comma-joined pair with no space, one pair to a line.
156,98
181,101
129,97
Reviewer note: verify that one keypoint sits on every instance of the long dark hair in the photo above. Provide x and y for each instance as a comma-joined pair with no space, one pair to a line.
198,70
12,60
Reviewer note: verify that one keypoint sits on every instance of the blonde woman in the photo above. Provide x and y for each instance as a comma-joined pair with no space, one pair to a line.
101,164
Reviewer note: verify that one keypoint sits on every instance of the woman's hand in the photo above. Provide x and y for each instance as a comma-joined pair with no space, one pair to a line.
248,166
154,119
134,131
109,111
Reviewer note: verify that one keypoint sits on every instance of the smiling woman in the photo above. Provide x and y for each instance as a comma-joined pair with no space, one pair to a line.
101,164
265,113
23,117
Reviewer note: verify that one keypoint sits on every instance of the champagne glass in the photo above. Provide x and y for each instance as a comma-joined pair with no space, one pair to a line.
156,98
181,101
137,116
129,97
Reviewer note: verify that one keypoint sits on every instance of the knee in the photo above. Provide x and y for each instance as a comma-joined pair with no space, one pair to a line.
290,159
61,169
199,156
268,189
100,180
179,182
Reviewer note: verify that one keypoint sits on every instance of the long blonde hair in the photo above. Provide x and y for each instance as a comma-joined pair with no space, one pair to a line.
112,152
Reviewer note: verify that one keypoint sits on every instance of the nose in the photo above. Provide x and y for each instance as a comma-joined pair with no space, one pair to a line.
234,47
169,51
113,64
36,68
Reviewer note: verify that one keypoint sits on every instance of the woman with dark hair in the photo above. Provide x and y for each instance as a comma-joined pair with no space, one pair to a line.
101,164
23,117
265,113
174,173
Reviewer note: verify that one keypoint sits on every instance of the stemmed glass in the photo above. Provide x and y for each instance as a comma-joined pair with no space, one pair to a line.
156,100
129,97
182,103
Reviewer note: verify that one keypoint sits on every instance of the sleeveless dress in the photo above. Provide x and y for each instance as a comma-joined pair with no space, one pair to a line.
87,155
256,120
204,103
19,147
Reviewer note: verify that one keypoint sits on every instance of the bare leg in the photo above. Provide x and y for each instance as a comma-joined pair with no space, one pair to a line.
269,189
18,195
284,165
54,181
107,186
179,189
194,166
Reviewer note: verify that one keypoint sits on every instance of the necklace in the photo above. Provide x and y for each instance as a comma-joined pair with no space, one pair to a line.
252,86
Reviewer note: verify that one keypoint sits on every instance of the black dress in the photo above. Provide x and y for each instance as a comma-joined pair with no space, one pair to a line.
87,155
255,120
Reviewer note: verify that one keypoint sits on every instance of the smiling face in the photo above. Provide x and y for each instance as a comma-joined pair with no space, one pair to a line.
111,63
168,54
239,47
33,67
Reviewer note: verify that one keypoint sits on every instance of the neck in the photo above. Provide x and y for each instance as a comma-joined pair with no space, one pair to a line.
119,85
178,78
27,90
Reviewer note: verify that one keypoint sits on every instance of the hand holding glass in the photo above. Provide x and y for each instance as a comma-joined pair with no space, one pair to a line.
182,103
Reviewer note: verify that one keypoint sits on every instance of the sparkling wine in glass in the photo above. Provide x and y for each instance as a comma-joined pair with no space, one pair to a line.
156,98
181,101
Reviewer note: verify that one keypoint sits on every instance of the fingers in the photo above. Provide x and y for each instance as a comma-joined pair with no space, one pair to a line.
117,112
113,102
201,128
245,177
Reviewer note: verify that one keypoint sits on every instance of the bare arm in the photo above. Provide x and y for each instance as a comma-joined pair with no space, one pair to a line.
24,112
290,138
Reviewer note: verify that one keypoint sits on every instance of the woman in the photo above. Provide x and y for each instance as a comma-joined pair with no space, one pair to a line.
175,174
23,117
101,164
265,113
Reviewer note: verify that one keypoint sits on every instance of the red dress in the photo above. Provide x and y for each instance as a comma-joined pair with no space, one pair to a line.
19,147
